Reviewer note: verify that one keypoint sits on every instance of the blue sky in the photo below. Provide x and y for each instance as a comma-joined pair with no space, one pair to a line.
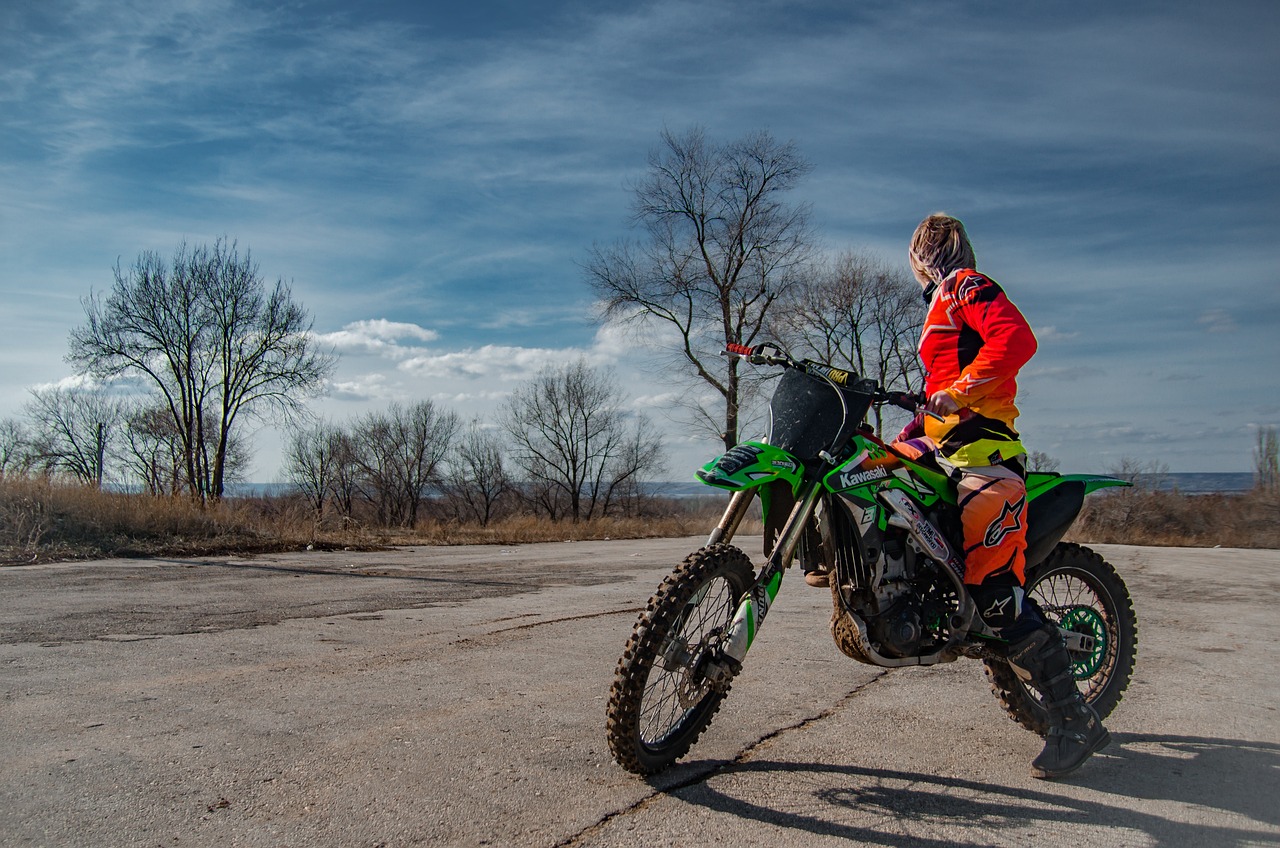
430,177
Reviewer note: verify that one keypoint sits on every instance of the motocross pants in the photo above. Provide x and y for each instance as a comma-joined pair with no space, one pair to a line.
993,511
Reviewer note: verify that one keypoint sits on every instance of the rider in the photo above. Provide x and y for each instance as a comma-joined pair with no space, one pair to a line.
973,343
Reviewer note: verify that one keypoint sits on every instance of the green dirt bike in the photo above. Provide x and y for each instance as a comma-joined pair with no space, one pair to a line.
888,536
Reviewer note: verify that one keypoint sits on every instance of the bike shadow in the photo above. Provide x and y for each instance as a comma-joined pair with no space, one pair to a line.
1236,778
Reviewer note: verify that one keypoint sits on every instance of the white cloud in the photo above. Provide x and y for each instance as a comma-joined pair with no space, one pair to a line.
368,387
497,362
1064,372
1053,334
378,336
1217,321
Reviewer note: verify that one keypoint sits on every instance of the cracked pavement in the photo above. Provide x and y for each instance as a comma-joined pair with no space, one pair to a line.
456,696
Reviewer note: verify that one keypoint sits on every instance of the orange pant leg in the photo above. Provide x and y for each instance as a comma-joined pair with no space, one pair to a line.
993,511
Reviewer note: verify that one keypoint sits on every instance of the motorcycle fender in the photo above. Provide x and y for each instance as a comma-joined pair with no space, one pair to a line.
750,465
1053,503
1038,483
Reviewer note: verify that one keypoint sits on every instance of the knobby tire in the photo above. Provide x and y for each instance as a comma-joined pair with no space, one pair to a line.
1077,584
648,726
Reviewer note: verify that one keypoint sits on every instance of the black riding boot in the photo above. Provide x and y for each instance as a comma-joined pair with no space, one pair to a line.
1075,730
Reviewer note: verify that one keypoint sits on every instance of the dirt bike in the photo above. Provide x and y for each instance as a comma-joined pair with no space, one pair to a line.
835,496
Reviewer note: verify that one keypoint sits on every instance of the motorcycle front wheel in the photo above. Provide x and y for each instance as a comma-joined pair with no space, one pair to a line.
661,701
1078,590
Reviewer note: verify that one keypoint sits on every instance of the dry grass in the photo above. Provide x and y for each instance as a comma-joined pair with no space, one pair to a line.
1144,517
43,521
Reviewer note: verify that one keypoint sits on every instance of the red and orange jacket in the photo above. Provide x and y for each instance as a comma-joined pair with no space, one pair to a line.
973,344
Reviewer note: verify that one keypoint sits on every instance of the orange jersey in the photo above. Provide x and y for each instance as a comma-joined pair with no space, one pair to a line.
973,344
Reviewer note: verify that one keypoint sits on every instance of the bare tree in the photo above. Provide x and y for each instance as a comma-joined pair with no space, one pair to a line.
399,453
1266,461
309,463
1041,461
344,483
1144,476
858,313
720,247
639,461
216,343
73,430
477,481
574,444
151,450
15,447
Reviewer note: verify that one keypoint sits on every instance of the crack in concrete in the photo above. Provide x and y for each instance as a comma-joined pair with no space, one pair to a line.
483,640
585,615
726,767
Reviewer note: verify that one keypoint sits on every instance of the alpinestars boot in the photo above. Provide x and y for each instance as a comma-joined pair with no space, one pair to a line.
1075,730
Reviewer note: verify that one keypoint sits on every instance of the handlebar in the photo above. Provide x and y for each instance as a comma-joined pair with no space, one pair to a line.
771,354
758,355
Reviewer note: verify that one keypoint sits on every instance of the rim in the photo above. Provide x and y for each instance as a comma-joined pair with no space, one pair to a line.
1073,601
674,688
1087,621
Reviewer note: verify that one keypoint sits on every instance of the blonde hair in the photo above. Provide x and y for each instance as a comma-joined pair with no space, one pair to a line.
940,245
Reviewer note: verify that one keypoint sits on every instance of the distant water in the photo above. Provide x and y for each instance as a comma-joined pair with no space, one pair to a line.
1206,482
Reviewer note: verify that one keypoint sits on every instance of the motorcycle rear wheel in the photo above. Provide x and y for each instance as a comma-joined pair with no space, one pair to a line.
1077,589
660,702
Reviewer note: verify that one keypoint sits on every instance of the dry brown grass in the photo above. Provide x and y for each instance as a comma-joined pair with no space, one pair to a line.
42,520
46,520
1144,517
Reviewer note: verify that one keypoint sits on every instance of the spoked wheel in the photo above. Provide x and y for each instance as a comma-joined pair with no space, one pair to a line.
662,698
1080,592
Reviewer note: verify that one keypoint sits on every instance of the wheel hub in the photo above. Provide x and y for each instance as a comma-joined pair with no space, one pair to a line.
1087,622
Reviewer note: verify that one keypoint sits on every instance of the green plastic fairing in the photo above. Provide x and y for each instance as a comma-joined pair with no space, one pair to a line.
749,465
1039,482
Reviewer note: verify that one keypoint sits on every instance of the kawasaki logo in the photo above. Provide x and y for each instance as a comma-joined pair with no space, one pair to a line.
849,479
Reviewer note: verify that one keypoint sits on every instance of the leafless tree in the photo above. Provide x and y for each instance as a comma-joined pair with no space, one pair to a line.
150,450
399,453
477,481
1143,475
1266,461
310,464
1041,461
73,429
575,446
858,313
213,339
720,246
15,447
344,482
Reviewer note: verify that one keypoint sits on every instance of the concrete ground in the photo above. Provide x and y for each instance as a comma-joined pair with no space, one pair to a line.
456,696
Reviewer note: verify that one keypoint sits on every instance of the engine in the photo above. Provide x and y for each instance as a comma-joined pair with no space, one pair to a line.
901,595
897,622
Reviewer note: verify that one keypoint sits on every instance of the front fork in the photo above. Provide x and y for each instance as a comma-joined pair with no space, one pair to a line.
755,604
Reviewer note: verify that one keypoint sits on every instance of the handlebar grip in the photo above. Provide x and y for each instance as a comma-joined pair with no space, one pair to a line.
910,401
738,349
